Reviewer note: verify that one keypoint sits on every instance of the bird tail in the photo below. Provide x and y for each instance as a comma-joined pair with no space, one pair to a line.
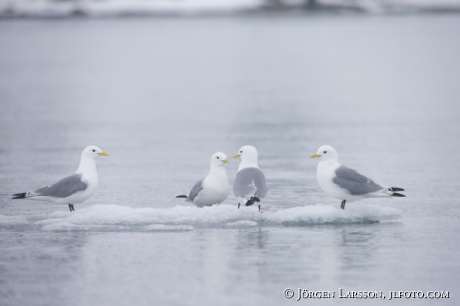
183,196
21,195
395,194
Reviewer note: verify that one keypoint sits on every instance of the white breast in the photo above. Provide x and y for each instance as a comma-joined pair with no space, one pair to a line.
325,175
215,191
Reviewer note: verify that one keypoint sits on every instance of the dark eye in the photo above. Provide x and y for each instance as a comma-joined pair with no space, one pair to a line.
217,157
241,151
94,150
325,152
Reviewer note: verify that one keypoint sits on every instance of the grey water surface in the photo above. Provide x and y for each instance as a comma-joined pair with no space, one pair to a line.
162,95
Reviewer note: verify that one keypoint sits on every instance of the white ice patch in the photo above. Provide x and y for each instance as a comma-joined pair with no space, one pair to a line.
327,214
185,218
167,228
70,227
12,220
242,224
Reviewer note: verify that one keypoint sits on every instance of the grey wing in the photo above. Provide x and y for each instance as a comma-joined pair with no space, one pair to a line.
62,189
195,190
355,183
250,182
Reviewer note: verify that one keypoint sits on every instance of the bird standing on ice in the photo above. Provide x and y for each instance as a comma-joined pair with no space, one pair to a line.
214,188
249,185
344,183
73,189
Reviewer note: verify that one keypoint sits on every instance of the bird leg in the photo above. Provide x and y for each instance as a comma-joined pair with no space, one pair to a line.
71,207
238,205
343,204
259,209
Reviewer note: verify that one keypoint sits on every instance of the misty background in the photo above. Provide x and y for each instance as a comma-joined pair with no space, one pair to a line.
162,85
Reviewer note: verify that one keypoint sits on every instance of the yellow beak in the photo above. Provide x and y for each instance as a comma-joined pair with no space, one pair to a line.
103,154
236,155
225,161
315,156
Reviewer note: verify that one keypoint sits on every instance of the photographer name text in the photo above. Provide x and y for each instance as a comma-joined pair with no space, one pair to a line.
301,294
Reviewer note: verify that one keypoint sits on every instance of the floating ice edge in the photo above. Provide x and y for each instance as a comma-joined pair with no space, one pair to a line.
110,217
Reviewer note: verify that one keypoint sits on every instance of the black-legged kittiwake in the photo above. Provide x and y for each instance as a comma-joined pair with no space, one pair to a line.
214,188
347,184
249,185
73,189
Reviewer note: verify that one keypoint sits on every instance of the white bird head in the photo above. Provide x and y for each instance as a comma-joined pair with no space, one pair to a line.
219,159
93,152
325,153
248,154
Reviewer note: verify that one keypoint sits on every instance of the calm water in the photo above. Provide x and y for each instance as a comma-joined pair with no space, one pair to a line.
162,95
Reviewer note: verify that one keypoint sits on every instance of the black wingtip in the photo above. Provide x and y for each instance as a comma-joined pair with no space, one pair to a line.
252,200
183,196
19,195
398,195
249,203
396,189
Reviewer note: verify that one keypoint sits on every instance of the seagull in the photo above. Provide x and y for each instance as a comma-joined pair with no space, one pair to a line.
213,189
249,185
72,189
347,184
